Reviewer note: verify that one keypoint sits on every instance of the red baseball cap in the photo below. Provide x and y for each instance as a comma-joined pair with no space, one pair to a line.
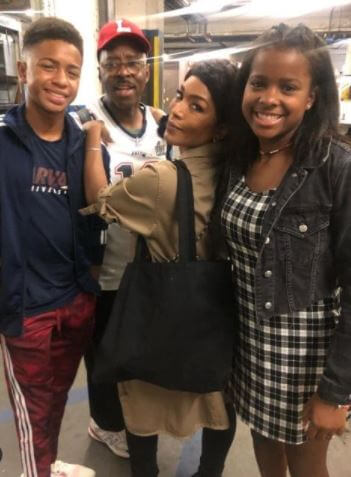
122,29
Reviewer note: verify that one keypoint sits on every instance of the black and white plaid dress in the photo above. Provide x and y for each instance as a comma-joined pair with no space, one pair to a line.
278,361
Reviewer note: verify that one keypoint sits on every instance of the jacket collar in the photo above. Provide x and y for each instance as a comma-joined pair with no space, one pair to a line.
316,158
15,119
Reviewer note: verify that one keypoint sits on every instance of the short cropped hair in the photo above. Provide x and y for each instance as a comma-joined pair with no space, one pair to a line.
52,28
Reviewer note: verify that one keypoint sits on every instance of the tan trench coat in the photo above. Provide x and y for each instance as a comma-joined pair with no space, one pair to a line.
145,204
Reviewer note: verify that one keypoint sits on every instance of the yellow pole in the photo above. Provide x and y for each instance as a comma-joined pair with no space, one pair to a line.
156,76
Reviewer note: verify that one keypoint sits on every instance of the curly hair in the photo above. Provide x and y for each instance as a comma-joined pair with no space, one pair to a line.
52,28
318,122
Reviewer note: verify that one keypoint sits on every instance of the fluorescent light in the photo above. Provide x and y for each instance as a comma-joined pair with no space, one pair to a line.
199,7
279,9
209,6
253,8
205,55
296,8
29,12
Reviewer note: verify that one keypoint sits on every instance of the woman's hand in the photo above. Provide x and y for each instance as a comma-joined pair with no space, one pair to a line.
94,172
322,420
97,132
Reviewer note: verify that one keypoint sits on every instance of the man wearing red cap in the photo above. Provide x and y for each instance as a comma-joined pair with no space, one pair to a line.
123,72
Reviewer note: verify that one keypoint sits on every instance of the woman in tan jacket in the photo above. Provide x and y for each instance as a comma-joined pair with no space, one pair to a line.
145,204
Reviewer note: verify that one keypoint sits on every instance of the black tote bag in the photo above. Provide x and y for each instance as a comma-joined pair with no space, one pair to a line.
172,323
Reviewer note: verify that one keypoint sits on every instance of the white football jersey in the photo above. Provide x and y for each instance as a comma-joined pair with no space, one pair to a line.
129,154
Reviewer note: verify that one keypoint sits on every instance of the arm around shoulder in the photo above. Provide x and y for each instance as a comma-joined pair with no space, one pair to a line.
95,165
157,113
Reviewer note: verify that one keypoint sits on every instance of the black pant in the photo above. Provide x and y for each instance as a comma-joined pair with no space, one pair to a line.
215,447
105,407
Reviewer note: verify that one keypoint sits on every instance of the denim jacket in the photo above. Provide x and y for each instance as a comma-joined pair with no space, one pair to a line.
305,252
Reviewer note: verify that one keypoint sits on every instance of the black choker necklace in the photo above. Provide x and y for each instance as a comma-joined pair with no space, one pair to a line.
274,151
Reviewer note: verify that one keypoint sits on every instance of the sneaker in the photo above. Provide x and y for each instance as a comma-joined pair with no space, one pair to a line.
62,469
115,441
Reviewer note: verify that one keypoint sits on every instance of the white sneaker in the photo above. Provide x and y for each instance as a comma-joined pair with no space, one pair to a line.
115,441
62,469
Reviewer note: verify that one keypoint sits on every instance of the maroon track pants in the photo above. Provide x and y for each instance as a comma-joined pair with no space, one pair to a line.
40,367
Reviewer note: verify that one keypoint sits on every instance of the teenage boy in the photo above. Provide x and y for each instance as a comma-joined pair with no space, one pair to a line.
47,293
123,71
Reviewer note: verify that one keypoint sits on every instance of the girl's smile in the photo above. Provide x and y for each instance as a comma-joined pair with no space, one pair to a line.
277,95
267,119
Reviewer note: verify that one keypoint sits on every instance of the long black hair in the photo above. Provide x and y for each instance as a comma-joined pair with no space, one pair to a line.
319,121
219,76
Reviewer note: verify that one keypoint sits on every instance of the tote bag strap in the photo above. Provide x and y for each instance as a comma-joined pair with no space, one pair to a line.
185,213
185,217
142,253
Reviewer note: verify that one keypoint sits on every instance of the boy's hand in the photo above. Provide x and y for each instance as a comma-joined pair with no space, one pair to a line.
322,420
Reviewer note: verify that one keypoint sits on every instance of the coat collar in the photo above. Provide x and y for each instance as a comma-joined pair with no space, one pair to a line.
316,158
210,151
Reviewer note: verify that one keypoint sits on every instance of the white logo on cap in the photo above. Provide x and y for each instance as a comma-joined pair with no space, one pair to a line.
121,28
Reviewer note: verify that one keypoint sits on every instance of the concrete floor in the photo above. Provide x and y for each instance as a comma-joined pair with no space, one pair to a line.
176,458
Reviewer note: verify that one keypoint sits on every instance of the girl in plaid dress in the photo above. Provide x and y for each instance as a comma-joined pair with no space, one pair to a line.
287,223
